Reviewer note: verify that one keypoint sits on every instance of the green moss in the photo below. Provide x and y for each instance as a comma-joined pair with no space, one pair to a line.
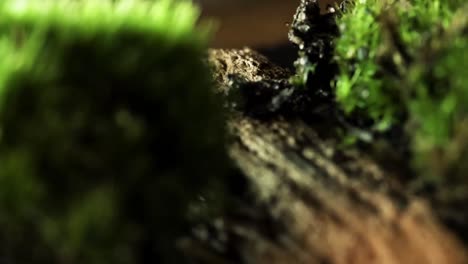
438,112
109,129
358,88
403,63
379,42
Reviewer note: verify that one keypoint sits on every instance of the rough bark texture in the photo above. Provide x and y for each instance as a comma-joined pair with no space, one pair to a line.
312,202
245,63
333,207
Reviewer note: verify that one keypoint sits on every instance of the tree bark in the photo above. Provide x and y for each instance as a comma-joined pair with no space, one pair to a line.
310,201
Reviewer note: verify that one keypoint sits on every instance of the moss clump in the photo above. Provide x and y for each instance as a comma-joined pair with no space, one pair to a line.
108,127
393,67
379,42
438,113
404,63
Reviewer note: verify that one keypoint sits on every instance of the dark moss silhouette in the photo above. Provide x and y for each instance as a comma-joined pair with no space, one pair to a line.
109,129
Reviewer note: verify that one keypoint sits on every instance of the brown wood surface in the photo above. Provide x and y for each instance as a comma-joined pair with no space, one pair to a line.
248,24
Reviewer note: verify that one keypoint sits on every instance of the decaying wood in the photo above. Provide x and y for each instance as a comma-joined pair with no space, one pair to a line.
311,202
334,207
245,63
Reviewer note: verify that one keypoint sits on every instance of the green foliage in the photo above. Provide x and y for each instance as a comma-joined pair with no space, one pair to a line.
358,88
439,111
379,41
404,62
109,129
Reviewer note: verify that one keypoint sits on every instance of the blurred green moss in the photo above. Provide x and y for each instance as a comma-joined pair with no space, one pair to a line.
439,110
109,129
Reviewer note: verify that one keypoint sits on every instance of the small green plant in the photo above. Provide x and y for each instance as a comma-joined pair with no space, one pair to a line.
379,42
109,129
404,63
393,67
358,87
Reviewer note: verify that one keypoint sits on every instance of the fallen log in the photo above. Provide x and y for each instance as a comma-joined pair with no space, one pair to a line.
309,200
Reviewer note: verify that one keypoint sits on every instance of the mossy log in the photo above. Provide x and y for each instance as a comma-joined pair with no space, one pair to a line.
309,201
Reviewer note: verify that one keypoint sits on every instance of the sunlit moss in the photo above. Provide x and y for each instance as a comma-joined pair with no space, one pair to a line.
109,129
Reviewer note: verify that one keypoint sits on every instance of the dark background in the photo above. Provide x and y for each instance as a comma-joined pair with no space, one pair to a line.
259,24
254,23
